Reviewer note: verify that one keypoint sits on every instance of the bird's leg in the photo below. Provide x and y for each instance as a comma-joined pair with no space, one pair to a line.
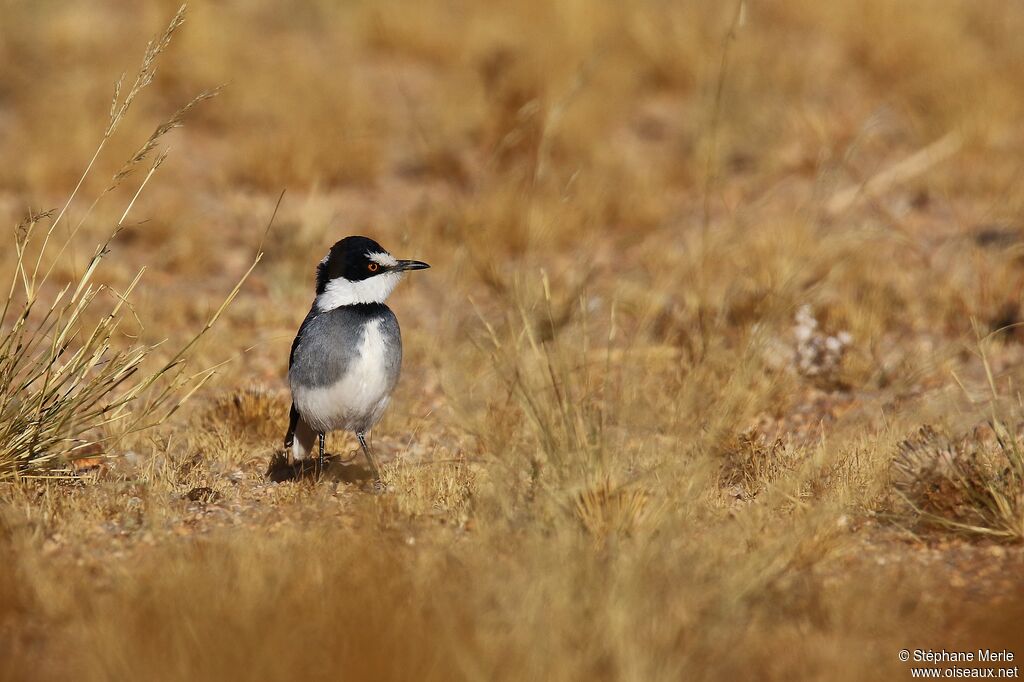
321,454
369,458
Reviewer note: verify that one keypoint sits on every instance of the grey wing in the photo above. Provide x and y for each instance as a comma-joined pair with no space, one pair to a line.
293,415
327,344
393,355
310,316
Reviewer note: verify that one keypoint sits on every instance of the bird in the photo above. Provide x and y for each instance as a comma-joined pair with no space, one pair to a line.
347,355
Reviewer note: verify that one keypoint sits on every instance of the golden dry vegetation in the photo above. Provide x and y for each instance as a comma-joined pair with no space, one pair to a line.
715,376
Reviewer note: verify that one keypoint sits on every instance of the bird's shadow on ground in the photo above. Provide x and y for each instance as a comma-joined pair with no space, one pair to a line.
336,468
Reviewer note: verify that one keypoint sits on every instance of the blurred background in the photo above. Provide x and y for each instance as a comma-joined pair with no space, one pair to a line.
597,140
701,271
519,130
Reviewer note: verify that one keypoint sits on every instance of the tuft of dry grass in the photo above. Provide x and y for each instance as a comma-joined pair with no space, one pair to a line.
607,510
973,486
68,388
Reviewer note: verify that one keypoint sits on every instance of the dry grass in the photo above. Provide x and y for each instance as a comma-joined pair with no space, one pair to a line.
697,274
69,390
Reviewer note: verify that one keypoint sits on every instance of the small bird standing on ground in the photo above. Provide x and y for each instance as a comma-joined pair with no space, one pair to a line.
347,356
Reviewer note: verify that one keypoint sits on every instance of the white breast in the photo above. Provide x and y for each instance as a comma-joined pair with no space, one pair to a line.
357,401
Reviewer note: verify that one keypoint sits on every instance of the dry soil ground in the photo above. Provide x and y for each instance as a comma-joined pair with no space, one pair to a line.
702,273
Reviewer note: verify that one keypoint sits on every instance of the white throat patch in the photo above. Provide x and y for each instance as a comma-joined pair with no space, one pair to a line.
340,291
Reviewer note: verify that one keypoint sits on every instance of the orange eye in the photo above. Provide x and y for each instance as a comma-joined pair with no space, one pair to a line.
373,267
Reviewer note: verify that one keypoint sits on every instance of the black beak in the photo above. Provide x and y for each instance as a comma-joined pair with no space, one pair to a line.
410,265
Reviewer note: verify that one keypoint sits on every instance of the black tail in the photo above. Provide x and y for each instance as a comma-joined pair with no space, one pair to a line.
293,419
